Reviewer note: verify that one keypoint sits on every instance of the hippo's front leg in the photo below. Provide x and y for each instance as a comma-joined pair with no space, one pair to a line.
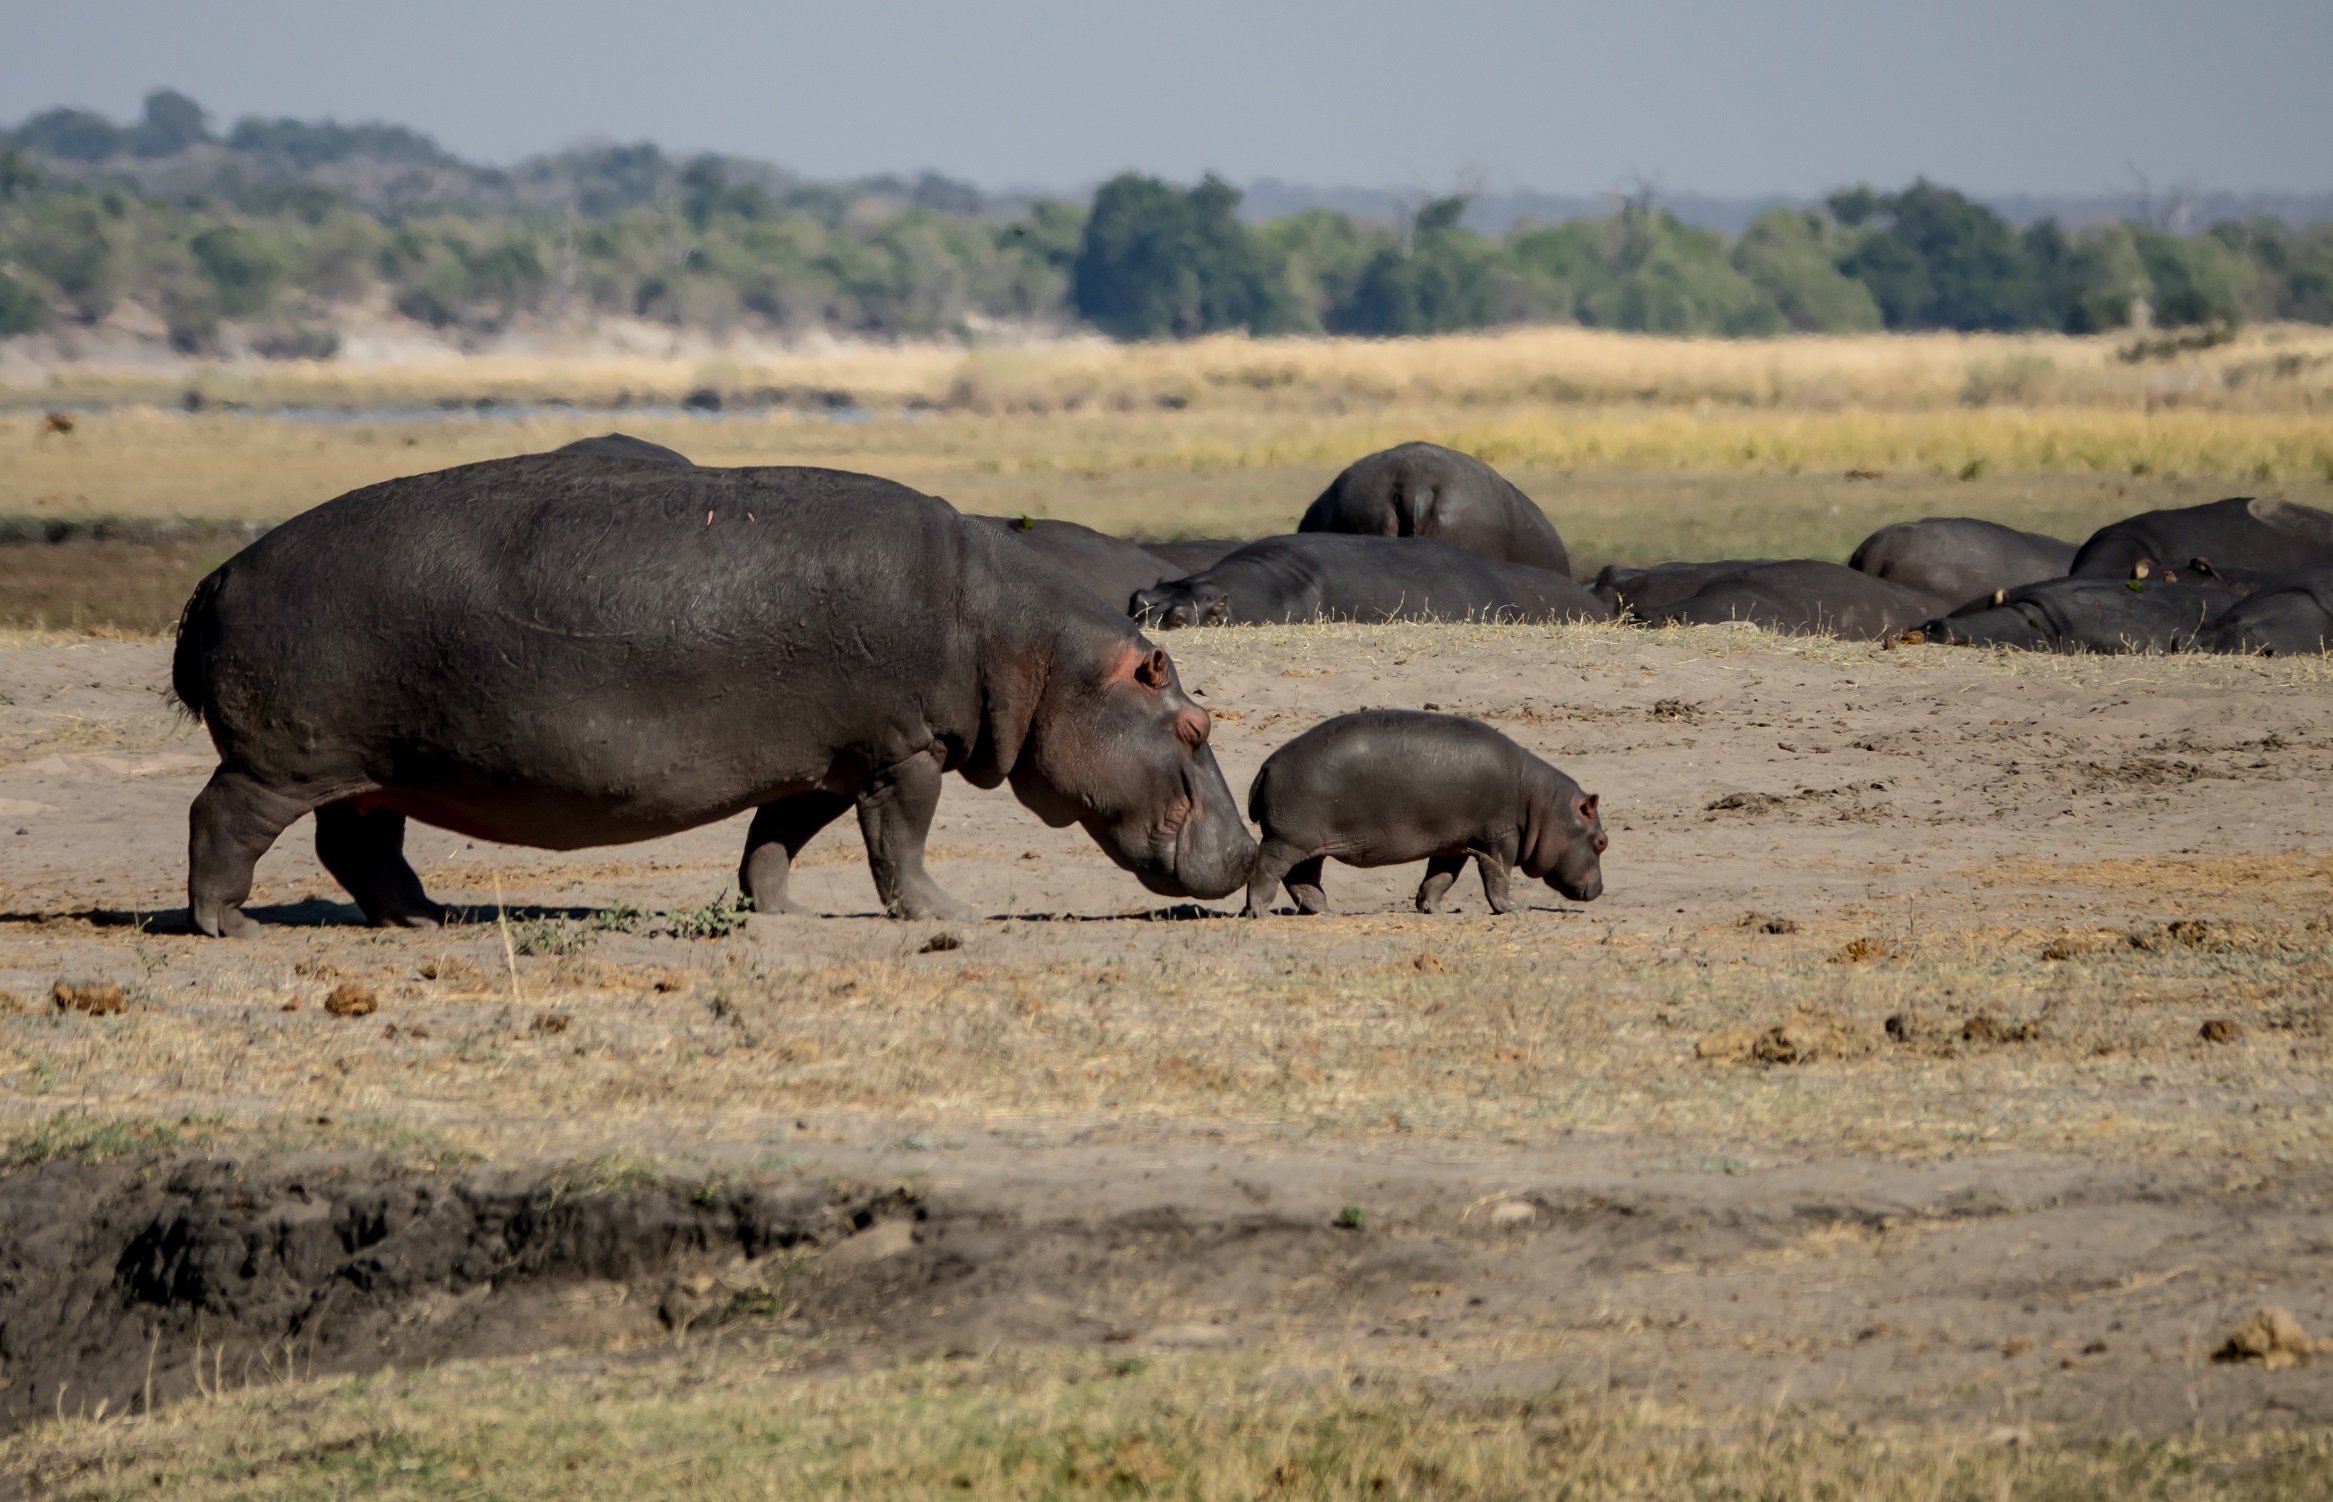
1494,881
895,815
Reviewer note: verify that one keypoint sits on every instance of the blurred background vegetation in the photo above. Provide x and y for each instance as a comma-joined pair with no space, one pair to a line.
278,236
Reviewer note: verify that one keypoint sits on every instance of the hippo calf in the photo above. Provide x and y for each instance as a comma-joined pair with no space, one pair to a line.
1425,490
1388,786
559,651
1322,576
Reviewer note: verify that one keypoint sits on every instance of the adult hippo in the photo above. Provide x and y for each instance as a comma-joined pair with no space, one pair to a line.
1800,597
2258,536
2088,615
624,446
1322,576
557,651
1111,567
2291,617
1640,591
1425,490
1958,558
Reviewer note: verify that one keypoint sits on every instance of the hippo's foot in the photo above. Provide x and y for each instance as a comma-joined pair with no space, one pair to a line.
1441,872
365,852
232,822
927,901
225,923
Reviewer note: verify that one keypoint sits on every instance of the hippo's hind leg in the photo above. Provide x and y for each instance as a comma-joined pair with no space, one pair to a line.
1441,871
895,816
780,830
365,852
1494,881
1273,860
1303,883
231,825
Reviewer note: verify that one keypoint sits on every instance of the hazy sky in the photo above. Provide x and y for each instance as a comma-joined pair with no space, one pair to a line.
1791,96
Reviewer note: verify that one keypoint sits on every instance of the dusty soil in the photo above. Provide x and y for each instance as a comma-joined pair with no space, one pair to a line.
1991,1166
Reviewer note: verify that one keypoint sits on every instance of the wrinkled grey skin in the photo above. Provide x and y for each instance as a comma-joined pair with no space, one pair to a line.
561,652
1424,490
1645,591
1800,596
2089,615
2239,535
1111,567
2292,617
1958,558
1388,786
1323,576
624,446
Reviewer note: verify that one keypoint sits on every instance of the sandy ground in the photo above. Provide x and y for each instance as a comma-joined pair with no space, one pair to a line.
1610,1211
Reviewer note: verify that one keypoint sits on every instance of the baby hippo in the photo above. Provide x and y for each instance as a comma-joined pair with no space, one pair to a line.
1388,786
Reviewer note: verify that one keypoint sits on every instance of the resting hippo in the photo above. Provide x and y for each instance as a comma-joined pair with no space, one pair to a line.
1111,567
624,446
2088,615
2258,536
557,651
1801,596
2292,617
1424,490
1958,558
1388,786
1642,591
1321,576
1189,555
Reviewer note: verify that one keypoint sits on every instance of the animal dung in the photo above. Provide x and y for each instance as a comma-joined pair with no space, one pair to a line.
1860,951
940,944
2220,1030
99,998
551,1022
2272,1339
348,999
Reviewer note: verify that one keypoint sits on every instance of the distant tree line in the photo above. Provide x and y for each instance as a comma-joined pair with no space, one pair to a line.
282,229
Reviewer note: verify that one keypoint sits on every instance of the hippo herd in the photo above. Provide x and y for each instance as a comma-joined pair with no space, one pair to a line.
610,643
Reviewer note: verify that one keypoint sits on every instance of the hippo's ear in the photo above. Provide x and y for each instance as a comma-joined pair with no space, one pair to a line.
1587,807
1155,671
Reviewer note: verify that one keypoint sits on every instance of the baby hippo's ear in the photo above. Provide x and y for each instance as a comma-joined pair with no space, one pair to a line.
1154,671
1585,807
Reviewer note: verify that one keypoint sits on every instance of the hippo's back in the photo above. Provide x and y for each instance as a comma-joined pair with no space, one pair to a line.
2243,533
1425,490
558,622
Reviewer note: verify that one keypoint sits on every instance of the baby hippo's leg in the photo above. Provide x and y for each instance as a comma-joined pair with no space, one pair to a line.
1441,871
1275,860
1494,881
1304,885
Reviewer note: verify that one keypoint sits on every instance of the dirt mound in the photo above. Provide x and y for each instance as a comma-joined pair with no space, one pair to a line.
133,1280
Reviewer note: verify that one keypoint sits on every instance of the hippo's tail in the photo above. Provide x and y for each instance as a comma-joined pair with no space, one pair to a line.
187,681
1256,793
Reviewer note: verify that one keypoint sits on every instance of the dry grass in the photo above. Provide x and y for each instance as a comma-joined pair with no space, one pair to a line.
2272,368
743,1419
